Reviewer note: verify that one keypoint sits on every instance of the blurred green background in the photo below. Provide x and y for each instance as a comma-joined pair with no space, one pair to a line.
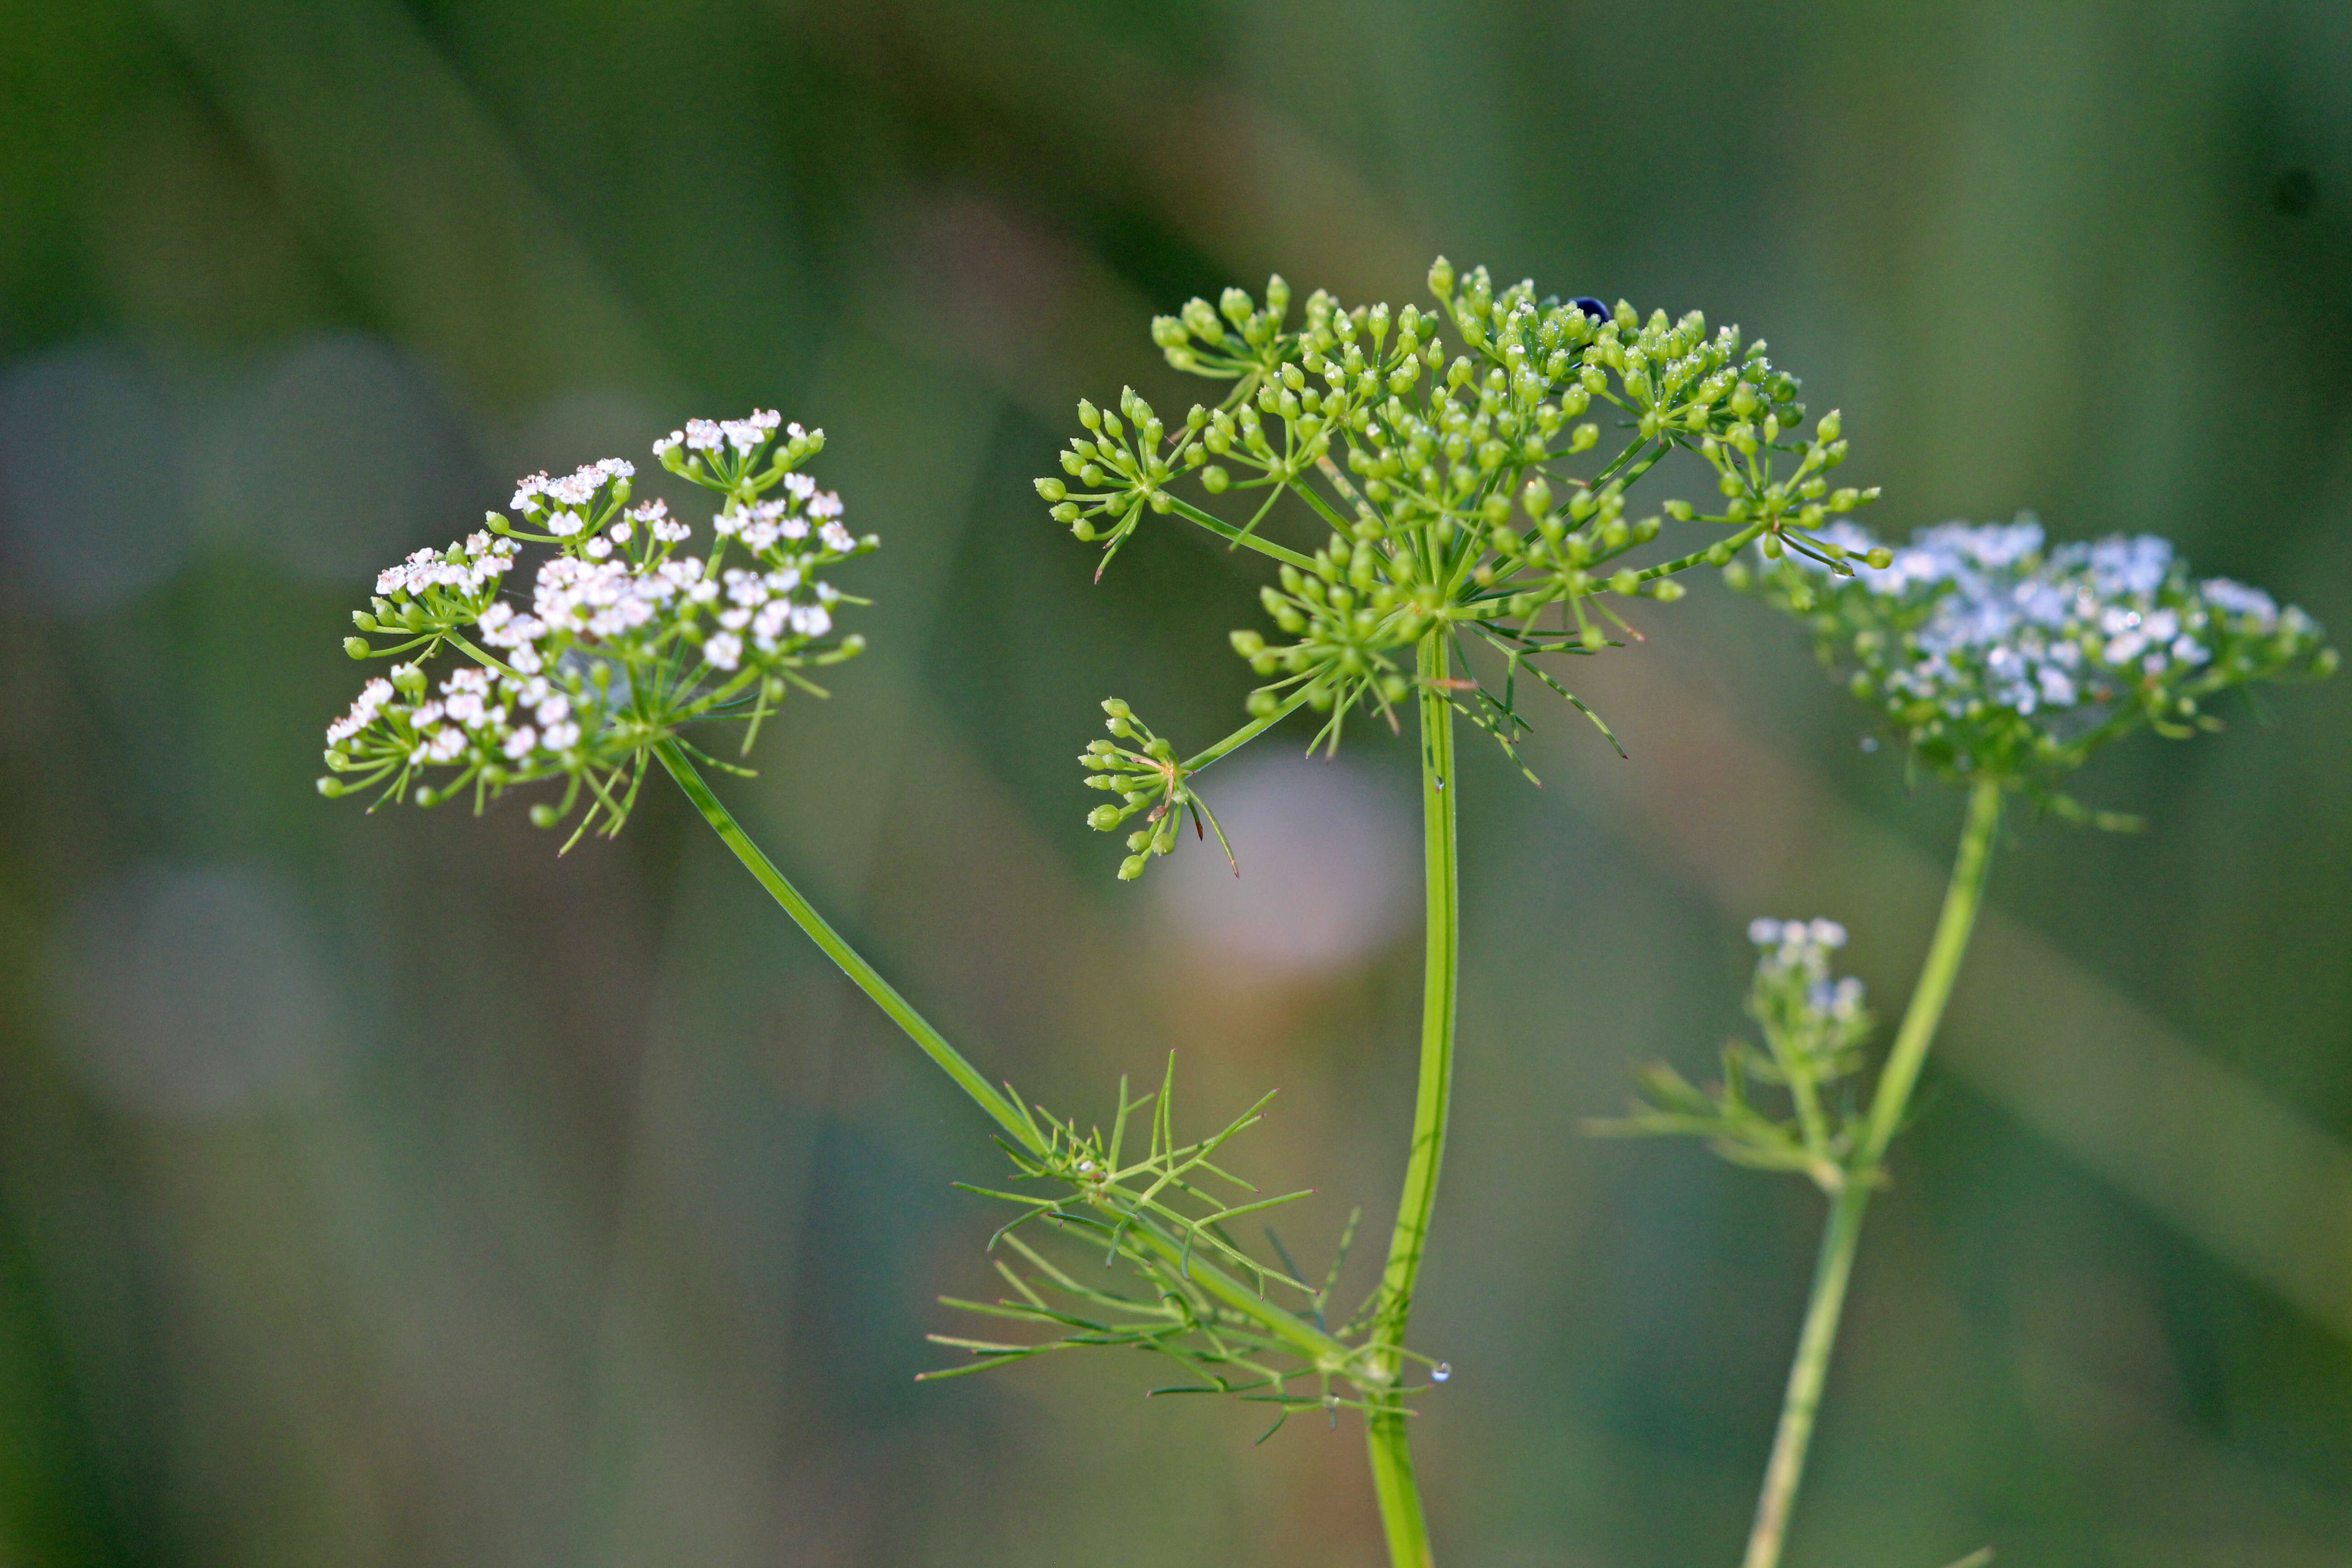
385,1189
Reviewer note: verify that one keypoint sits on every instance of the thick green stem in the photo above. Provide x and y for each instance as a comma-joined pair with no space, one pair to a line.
1834,1268
1302,1336
1401,1512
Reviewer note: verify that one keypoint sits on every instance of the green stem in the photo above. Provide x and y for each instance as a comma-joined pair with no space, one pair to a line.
933,1044
1393,1480
1842,1234
1231,535
1309,1342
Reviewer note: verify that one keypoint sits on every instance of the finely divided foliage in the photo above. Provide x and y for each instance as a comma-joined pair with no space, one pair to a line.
1464,491
626,642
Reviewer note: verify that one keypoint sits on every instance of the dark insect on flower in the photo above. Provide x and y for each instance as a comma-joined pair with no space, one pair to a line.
1591,307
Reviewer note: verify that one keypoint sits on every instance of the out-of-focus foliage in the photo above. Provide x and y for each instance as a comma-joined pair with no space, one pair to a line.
394,1192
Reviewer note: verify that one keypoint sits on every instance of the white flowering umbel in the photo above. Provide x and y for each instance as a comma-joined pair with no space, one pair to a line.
1814,1027
1992,654
626,638
1457,492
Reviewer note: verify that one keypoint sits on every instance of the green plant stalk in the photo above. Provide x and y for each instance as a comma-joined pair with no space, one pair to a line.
1402,1517
1842,1234
1325,1350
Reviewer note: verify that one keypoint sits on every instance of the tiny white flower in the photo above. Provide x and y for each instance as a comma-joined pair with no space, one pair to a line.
724,651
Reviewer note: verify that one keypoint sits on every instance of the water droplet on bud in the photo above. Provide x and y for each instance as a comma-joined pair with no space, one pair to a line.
1441,1372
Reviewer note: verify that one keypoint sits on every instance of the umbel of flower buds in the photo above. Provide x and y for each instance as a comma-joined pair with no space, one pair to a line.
1455,462
1992,654
625,640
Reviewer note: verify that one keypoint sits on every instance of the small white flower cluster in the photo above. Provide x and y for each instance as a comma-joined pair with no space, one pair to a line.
563,506
625,640
606,599
762,602
464,569
481,709
478,714
1799,951
745,436
1994,652
366,708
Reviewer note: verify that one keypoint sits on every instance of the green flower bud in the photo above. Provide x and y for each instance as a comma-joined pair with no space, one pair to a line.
1117,709
357,647
1881,558
1248,644
1830,426
1680,510
1665,590
332,788
1440,278
1132,868
1626,582
1102,818
1066,511
1089,415
1213,480
1277,296
1200,320
1052,489
1535,496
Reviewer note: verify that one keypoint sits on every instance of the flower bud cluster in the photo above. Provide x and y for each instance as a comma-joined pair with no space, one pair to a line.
625,638
1813,1023
1149,779
1351,620
1993,655
1814,1027
1464,489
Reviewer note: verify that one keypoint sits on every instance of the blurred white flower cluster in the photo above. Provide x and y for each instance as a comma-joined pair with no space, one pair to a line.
625,639
1996,655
